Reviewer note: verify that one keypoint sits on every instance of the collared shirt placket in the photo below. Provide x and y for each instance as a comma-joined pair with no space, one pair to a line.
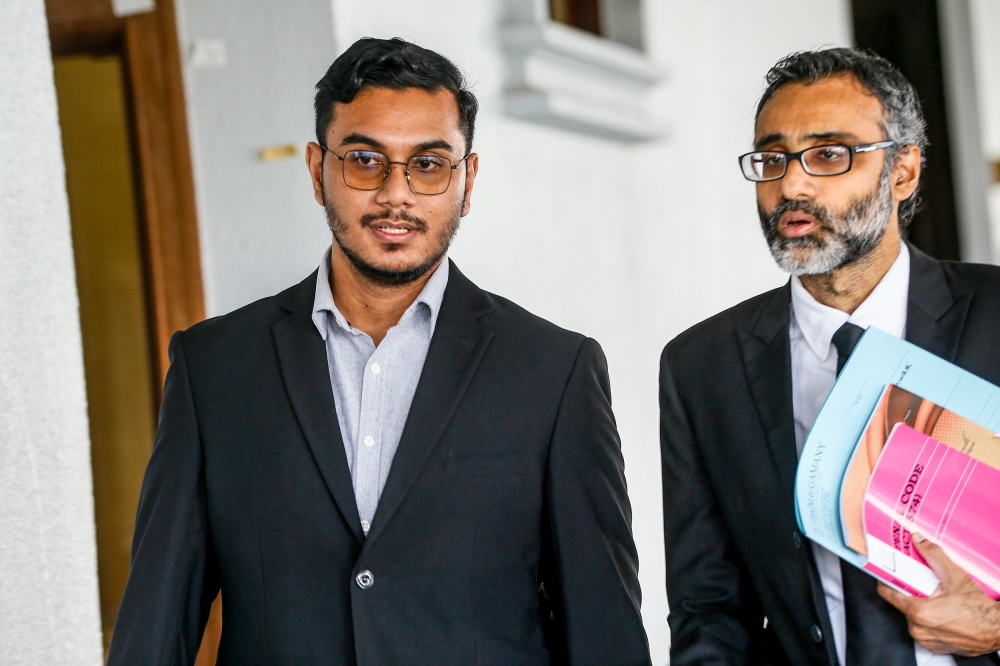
369,445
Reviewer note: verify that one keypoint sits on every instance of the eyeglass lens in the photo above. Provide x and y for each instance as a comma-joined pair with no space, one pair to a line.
367,170
818,161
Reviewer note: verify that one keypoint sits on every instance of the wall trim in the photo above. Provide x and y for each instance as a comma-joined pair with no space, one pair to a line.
559,76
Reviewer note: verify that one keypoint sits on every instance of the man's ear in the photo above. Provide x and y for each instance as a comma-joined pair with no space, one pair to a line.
906,173
314,162
471,169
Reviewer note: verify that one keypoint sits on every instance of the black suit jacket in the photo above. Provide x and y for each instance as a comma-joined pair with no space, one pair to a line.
734,552
508,477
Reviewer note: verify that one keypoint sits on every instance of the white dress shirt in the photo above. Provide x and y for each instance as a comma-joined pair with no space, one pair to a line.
814,371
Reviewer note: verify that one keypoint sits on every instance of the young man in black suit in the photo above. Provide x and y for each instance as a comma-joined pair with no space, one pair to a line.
839,140
385,464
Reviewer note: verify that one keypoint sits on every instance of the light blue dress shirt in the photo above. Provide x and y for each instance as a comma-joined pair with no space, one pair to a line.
374,386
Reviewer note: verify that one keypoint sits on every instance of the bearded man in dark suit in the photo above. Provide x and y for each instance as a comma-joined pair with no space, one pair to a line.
839,144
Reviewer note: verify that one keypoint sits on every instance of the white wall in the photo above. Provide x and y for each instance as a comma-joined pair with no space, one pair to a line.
260,229
986,52
48,563
627,244
969,169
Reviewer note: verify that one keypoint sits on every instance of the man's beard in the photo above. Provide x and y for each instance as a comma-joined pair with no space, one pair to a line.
843,240
384,276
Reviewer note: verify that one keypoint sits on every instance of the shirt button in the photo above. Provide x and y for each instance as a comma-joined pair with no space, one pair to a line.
366,579
365,525
376,368
814,631
369,440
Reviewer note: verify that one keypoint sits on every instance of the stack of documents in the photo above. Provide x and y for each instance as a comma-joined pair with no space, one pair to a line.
906,442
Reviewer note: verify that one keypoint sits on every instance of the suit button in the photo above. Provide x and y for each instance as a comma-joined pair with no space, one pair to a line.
816,633
366,579
797,539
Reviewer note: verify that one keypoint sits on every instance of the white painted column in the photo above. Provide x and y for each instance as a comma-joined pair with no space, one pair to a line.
969,165
985,22
48,563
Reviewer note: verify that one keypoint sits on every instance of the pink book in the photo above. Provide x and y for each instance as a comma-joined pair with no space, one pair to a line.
920,485
898,405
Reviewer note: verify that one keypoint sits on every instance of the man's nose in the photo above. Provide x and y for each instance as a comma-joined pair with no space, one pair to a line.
395,190
796,183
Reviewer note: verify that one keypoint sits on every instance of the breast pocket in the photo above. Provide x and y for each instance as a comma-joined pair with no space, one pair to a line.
488,464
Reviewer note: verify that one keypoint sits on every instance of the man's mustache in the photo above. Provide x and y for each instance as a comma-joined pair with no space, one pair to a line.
821,214
369,219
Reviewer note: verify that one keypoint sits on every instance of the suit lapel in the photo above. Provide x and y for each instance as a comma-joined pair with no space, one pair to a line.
302,355
934,316
767,359
456,349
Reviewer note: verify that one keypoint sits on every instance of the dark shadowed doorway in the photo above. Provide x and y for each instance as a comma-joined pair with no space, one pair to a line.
906,32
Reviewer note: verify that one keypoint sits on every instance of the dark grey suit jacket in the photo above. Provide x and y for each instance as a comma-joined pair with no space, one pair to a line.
734,552
502,535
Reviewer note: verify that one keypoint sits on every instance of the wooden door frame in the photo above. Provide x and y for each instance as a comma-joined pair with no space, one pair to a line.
164,179
162,172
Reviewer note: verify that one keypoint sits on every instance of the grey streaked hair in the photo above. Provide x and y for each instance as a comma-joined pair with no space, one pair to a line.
902,120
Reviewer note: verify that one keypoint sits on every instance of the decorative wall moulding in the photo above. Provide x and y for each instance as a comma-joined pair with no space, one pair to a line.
563,77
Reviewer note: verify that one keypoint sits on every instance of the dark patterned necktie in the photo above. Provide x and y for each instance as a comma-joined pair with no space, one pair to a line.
845,340
877,634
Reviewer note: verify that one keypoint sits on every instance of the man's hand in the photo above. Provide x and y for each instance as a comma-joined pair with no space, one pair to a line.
958,618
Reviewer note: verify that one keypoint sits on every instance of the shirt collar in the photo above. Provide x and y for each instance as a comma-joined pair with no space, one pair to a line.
323,306
885,308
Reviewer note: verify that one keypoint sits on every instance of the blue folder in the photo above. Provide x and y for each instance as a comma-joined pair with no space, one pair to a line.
878,360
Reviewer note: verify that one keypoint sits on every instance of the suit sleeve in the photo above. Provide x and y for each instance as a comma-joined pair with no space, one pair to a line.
706,582
173,579
593,580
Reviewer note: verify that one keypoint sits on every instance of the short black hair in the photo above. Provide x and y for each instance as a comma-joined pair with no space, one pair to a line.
395,64
902,117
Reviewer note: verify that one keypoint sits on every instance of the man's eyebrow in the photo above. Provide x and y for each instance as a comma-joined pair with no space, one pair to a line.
832,135
354,137
770,138
436,143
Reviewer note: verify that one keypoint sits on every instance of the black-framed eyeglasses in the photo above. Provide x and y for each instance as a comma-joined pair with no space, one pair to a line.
368,169
832,160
